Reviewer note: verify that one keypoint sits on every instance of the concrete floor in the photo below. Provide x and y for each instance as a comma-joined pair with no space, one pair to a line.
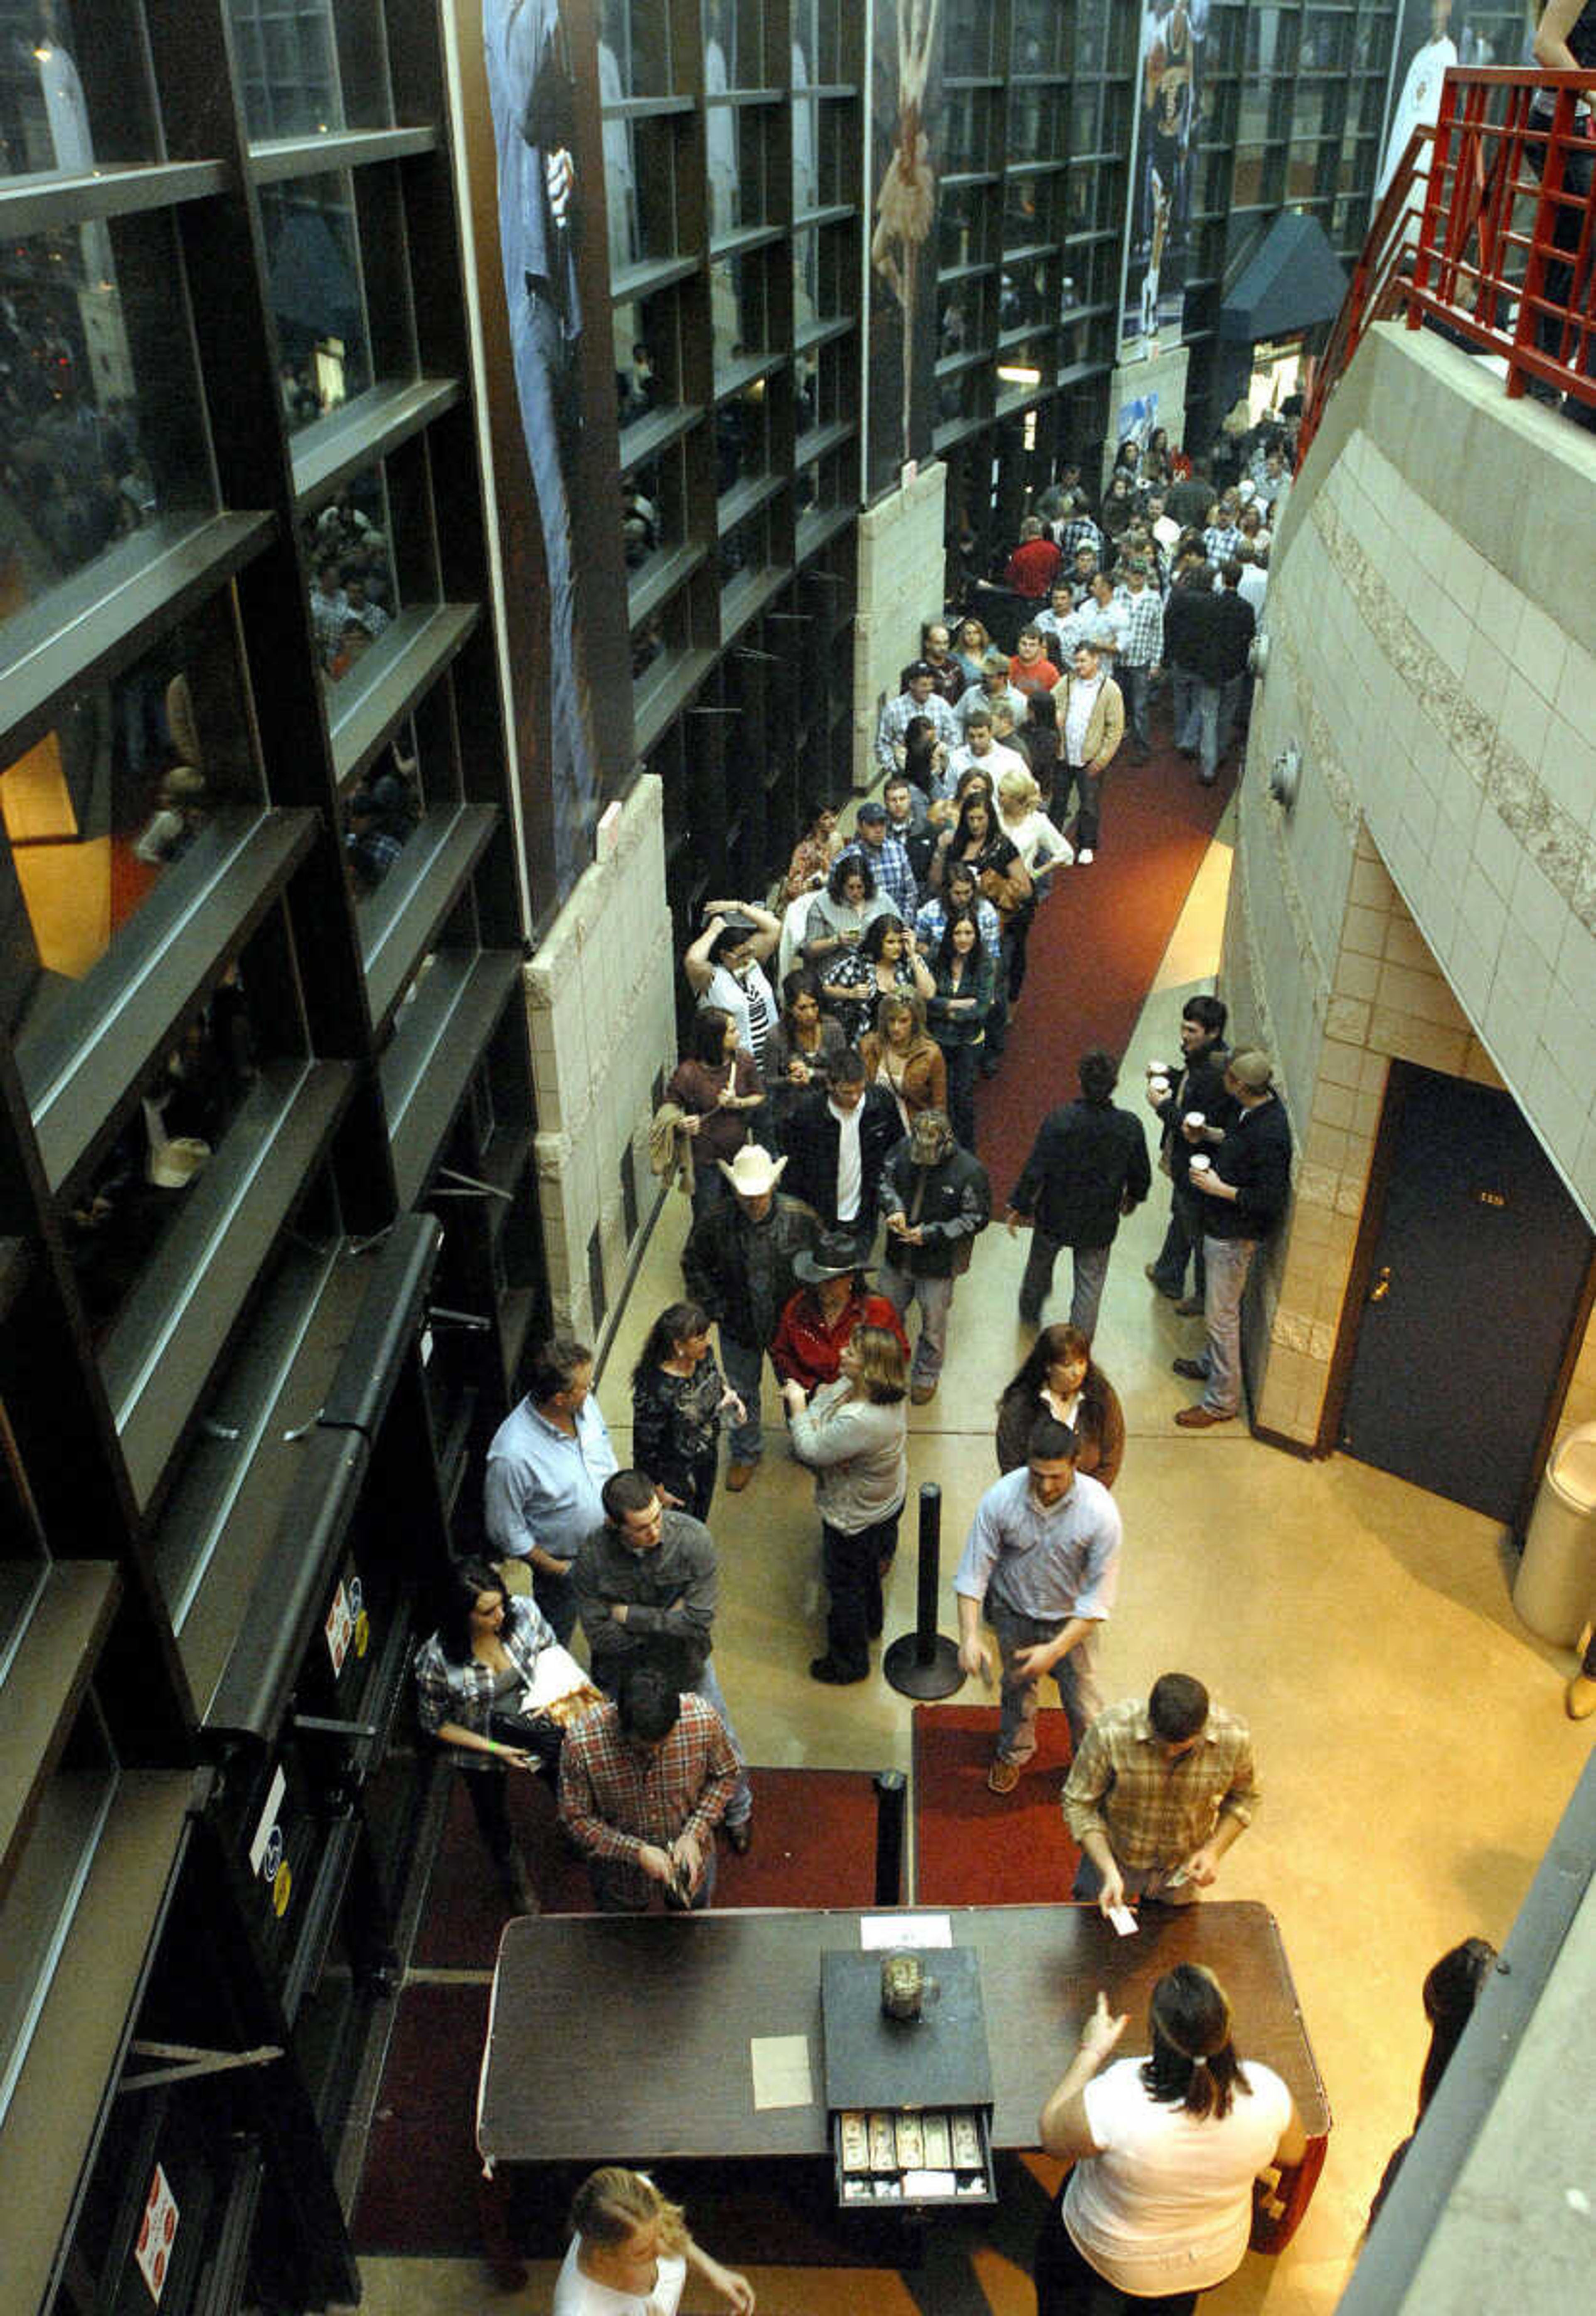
1412,1744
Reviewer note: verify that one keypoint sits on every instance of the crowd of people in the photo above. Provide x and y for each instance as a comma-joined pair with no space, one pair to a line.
822,1119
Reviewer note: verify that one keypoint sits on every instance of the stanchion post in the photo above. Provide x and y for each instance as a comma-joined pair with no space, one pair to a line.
891,1801
923,1663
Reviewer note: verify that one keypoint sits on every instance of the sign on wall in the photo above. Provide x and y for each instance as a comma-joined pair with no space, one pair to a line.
1163,156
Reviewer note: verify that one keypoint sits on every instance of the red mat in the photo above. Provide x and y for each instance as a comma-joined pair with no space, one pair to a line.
976,1847
1095,946
813,1845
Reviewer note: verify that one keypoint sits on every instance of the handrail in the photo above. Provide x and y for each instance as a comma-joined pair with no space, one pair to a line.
1486,233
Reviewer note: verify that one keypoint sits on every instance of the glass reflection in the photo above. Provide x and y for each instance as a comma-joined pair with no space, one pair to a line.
55,120
105,807
318,302
381,817
289,65
354,595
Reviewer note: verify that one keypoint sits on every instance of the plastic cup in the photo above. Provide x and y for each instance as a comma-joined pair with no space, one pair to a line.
1200,1164
1194,1118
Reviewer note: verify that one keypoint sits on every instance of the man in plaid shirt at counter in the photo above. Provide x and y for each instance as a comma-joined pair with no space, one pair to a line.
643,1784
1156,1795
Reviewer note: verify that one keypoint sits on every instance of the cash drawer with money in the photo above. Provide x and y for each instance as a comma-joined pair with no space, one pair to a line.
908,2081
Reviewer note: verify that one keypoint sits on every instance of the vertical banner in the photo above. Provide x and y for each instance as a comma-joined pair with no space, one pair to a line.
528,78
905,102
1164,155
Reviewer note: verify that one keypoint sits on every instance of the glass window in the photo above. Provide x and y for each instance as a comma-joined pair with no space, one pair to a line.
970,43
308,66
825,284
101,435
836,152
24,1560
1035,116
633,50
1041,37
114,804
1023,295
820,44
742,436
739,307
318,298
74,89
640,190
653,510
43,1894
967,132
354,590
382,814
747,549
826,389
737,146
735,53
114,1220
963,213
647,366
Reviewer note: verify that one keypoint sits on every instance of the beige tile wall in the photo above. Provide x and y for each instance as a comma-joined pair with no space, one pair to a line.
599,1010
902,581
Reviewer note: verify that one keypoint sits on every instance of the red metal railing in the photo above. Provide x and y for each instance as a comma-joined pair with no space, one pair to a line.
1487,232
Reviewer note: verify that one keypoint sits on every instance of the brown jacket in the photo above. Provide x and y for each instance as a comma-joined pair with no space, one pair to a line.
925,1073
1104,730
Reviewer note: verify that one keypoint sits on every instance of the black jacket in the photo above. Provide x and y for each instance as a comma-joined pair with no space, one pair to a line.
811,1136
1255,1156
1089,1158
1234,621
1200,1085
950,1202
1192,641
744,1285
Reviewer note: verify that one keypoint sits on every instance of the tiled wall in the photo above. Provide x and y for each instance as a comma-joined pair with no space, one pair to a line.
1431,897
901,570
600,1009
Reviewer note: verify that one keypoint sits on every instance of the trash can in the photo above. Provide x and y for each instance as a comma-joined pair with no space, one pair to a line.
1555,1590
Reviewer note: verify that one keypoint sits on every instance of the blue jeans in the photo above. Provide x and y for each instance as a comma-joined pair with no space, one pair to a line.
745,1364
740,1808
1074,1677
935,1298
1091,1269
1184,689
1228,1261
1135,685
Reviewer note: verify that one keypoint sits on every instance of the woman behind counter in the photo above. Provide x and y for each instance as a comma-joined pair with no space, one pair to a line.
469,1678
630,2253
1165,2148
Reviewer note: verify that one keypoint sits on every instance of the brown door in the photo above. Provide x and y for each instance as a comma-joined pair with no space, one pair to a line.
1476,1282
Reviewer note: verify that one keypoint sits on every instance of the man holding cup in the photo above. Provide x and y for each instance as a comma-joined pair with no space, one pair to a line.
1245,1184
1193,1109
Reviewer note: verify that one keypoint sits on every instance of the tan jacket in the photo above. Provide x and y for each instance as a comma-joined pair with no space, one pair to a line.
1106,727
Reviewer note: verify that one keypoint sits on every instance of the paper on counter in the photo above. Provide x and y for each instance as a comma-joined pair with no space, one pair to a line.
780,2071
879,1932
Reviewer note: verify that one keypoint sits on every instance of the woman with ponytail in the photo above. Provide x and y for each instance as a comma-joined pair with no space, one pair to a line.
1165,2150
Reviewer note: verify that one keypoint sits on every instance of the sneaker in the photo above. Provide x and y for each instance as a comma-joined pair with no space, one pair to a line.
835,1675
1085,857
738,1475
1193,1370
920,1393
1003,1777
1150,1270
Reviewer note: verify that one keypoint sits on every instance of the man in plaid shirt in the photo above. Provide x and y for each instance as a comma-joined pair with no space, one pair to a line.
643,1784
1141,652
1156,1795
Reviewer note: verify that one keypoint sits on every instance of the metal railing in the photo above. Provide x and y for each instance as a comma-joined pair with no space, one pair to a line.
1486,235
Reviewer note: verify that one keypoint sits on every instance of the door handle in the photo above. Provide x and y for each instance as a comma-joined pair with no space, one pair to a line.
1382,1285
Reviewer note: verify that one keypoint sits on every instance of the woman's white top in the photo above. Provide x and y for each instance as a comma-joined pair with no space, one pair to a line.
1167,2207
1036,842
730,991
576,2294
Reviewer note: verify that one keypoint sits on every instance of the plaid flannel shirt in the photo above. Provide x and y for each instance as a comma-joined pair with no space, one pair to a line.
1143,643
614,1798
464,1693
1220,541
888,864
1155,1812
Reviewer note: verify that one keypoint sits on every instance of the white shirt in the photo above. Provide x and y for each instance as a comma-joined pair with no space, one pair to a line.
1082,700
576,2294
1167,2207
1036,842
997,760
850,1166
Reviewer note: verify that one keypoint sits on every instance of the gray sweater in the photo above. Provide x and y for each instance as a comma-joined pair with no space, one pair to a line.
856,1449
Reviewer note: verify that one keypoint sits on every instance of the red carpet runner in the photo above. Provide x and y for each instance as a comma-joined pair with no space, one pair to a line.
976,1847
1095,946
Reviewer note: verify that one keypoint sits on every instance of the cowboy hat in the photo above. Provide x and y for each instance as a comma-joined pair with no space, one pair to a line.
838,1255
752,1171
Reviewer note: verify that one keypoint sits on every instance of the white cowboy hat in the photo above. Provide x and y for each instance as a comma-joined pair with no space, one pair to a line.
752,1171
